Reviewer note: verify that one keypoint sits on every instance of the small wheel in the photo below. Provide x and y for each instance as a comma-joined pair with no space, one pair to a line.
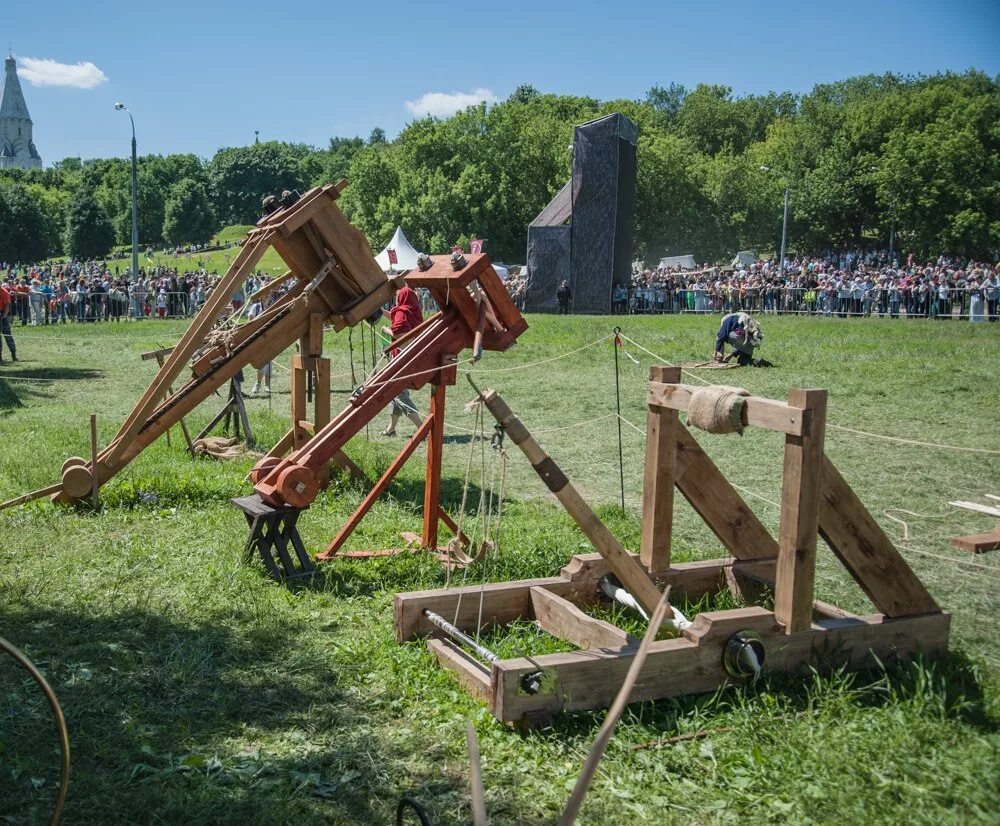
73,461
297,486
77,481
263,468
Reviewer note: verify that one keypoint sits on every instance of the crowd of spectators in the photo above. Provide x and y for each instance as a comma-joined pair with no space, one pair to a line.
851,283
87,292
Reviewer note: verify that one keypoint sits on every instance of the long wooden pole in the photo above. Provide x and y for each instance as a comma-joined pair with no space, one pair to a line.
94,481
623,565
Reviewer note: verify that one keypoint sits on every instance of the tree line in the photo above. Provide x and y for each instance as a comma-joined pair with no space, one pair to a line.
915,156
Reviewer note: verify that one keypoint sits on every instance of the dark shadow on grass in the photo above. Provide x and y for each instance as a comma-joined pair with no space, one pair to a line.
150,702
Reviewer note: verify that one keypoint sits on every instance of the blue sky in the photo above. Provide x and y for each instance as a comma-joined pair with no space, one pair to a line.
199,76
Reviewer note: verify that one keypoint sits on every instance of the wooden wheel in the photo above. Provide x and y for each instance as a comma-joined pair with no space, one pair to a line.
297,486
263,468
76,481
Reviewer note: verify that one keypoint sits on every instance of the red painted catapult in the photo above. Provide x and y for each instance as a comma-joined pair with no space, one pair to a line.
334,281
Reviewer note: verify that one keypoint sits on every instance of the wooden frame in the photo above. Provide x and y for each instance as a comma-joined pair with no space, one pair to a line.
801,631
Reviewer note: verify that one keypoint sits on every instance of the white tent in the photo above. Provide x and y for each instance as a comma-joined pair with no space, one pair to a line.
745,257
406,256
685,262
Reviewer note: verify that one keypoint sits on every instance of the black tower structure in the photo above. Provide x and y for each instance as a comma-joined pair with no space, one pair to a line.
593,251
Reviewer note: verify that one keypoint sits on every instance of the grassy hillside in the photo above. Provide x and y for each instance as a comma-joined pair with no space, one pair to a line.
198,690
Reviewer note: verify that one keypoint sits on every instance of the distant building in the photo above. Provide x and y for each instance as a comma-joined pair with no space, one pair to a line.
17,149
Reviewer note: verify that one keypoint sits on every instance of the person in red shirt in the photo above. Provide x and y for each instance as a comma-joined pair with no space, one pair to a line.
404,316
5,332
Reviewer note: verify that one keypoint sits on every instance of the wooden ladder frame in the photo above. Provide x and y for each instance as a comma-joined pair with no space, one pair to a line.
801,631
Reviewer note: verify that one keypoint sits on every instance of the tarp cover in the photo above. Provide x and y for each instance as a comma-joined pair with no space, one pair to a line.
745,257
406,255
685,262
548,265
604,166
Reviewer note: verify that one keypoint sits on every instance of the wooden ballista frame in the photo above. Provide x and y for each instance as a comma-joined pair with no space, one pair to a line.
800,631
336,281
476,312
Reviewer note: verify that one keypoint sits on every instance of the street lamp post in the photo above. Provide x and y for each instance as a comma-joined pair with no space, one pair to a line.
784,225
135,214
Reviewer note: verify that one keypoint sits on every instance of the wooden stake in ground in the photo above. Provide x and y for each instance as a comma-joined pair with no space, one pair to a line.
597,750
93,459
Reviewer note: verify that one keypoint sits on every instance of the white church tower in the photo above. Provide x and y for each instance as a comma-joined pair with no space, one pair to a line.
16,145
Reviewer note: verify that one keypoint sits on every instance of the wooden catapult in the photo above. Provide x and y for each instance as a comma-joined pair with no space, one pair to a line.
719,647
332,279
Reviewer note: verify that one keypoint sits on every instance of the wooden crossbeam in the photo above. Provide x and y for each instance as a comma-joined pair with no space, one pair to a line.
561,618
768,414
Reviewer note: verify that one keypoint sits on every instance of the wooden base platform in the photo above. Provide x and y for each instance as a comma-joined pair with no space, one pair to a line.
693,662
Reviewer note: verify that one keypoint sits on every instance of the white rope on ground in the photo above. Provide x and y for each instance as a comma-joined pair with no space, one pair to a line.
913,442
938,445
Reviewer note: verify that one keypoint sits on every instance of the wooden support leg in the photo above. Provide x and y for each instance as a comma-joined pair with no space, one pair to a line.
377,491
432,479
321,403
802,482
298,401
662,429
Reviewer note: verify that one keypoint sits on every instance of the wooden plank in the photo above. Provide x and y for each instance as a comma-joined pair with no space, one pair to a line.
867,553
316,334
692,664
718,503
978,543
768,414
298,402
989,510
802,480
470,672
350,247
633,578
662,426
157,354
561,618
379,488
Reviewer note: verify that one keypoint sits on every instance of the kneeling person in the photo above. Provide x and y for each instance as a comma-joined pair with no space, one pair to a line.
742,333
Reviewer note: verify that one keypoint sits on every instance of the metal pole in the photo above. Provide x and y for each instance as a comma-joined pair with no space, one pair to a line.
135,209
618,407
784,236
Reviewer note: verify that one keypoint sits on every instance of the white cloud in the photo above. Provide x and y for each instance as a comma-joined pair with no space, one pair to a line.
46,72
443,104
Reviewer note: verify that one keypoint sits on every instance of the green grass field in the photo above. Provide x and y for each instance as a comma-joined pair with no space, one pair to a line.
198,691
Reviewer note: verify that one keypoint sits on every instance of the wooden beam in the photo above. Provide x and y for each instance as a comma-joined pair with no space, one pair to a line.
561,618
380,487
473,677
298,401
432,477
662,428
802,480
768,414
867,553
978,543
718,503
693,663
633,578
